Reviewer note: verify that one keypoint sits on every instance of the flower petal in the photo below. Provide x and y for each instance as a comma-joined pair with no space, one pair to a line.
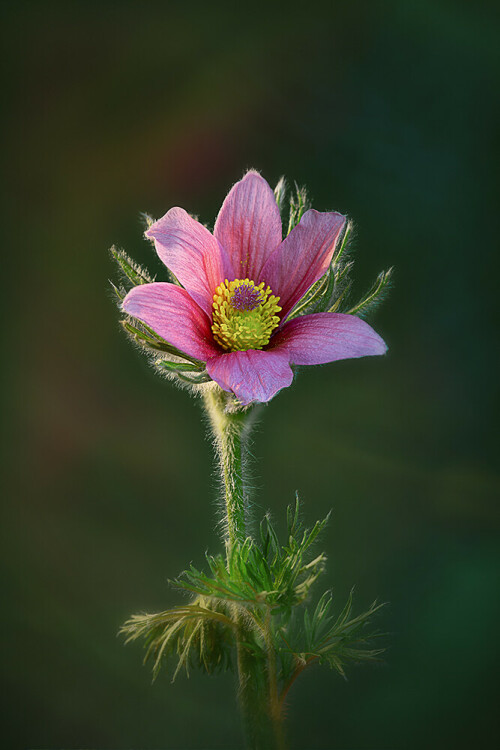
172,314
249,225
192,254
326,337
253,375
303,257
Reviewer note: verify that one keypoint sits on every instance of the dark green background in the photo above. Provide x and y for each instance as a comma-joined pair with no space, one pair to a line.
387,111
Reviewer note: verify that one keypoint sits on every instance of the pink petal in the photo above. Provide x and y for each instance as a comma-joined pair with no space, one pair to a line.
172,314
253,375
327,337
249,225
303,257
192,254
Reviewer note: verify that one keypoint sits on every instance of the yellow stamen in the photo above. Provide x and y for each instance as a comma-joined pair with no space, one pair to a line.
244,315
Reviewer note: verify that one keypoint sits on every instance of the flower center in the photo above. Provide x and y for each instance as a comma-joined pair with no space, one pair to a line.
244,315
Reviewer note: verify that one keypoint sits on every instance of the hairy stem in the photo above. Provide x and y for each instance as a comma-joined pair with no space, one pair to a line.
274,702
257,693
230,429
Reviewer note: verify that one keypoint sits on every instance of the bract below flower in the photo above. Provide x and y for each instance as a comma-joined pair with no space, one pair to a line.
239,284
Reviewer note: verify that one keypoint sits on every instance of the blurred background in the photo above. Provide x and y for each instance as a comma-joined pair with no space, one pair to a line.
386,111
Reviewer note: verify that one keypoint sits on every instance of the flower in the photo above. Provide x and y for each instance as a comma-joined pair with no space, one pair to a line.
239,286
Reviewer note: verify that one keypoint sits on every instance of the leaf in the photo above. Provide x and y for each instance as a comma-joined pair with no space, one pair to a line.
275,545
274,576
199,633
292,516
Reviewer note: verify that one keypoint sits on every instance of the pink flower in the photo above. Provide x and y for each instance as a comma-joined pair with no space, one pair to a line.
239,284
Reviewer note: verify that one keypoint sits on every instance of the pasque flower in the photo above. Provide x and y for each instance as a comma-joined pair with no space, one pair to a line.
239,286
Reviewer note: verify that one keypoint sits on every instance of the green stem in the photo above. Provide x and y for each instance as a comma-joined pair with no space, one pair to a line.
258,695
275,706
230,428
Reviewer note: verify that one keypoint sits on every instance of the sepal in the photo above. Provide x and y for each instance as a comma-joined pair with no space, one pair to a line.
374,296
133,274
188,372
328,293
173,362
299,204
149,339
280,192
331,292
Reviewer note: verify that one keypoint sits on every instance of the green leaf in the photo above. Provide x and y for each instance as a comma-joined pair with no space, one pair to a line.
275,545
273,575
316,639
292,517
200,633
310,537
266,587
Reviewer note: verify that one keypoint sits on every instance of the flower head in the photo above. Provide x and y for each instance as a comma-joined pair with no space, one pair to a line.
238,287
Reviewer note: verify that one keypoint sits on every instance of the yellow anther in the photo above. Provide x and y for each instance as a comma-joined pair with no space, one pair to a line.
244,315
